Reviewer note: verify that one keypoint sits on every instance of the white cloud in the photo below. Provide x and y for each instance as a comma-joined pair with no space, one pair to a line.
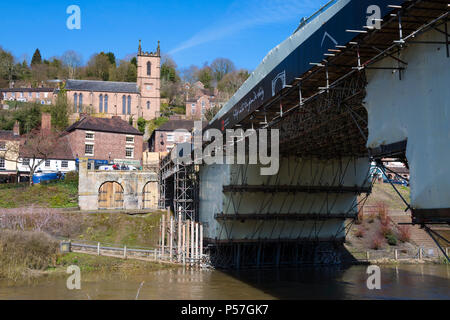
242,15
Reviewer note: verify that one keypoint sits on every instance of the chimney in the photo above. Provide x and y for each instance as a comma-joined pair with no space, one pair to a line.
46,123
83,115
16,129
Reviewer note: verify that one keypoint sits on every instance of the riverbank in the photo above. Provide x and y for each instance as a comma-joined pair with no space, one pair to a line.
27,256
29,242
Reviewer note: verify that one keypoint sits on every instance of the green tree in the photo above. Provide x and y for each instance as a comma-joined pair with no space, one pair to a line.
111,57
99,67
37,59
134,61
60,112
142,123
7,66
205,76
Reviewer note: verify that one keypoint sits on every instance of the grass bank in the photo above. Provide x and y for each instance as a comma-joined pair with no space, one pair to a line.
119,229
63,194
384,193
28,255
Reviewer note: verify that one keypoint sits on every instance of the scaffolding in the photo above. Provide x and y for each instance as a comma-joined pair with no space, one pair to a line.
178,185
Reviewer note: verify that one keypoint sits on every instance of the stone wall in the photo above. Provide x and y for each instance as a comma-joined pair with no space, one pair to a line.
132,182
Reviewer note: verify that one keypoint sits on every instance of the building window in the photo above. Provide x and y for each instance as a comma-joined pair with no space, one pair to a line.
26,162
75,102
47,163
170,137
124,105
106,104
129,152
130,139
21,94
65,164
129,104
193,108
89,149
149,68
80,105
100,104
13,94
2,163
30,95
46,95
38,95
90,136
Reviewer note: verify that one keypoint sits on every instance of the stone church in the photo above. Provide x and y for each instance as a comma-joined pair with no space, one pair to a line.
124,99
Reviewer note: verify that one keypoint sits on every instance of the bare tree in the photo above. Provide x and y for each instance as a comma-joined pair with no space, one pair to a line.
221,67
72,60
34,148
37,147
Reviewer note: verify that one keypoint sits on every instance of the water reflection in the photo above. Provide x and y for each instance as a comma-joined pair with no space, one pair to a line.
401,282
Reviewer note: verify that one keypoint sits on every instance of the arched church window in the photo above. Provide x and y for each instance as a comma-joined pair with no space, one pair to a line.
80,104
100,104
129,105
124,105
149,68
105,104
75,101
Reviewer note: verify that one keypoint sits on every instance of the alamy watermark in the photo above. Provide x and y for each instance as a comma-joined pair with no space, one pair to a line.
74,20
374,280
259,151
74,280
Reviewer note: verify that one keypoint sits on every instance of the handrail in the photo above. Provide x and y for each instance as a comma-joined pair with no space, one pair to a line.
314,15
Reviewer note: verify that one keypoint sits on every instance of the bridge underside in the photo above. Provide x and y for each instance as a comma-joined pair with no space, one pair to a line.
298,216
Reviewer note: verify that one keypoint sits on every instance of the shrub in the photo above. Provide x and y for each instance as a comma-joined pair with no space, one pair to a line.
360,218
383,213
404,233
21,251
71,176
386,230
376,243
391,239
360,232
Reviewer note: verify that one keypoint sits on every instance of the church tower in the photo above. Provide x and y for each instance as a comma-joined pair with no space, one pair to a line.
149,81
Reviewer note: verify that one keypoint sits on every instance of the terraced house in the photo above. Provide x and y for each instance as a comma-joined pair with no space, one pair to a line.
9,153
123,99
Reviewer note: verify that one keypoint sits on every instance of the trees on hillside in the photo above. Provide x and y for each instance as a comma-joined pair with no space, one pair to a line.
231,82
221,67
37,59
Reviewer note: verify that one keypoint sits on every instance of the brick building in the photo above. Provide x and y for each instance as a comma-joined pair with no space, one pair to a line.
199,100
39,95
169,134
110,140
122,99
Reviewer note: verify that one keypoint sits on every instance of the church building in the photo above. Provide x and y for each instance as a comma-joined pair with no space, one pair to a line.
121,99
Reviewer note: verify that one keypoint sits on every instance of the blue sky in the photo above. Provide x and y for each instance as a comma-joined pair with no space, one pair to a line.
192,32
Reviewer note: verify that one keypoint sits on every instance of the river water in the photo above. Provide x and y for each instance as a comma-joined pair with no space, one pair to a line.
403,282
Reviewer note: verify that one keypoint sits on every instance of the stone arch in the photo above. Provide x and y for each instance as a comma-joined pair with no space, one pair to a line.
111,196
